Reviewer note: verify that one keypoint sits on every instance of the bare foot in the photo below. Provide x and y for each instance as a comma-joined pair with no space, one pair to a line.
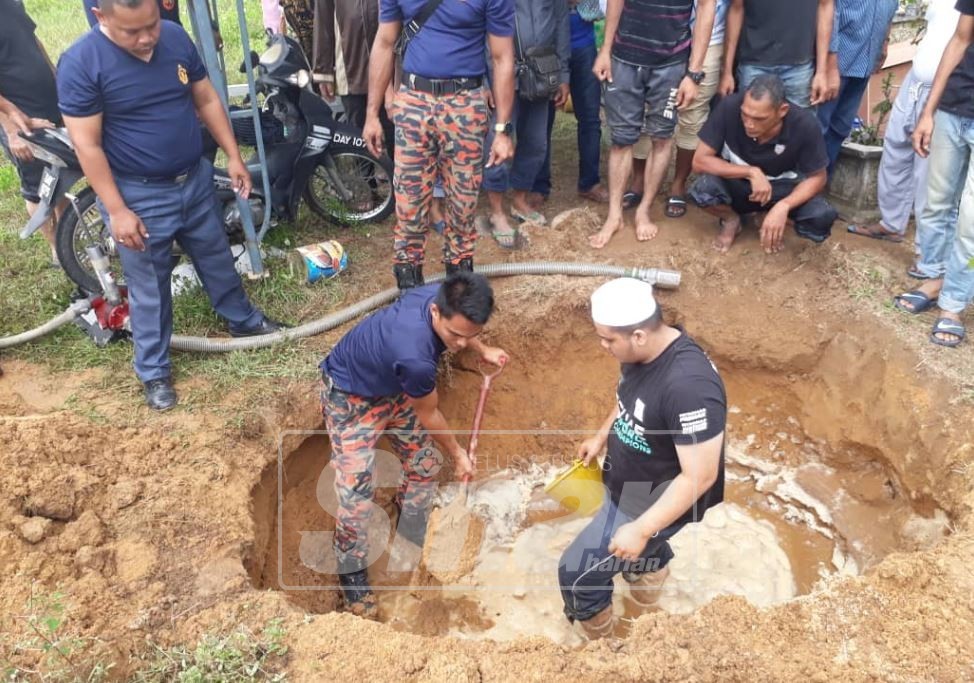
645,229
534,202
602,237
729,230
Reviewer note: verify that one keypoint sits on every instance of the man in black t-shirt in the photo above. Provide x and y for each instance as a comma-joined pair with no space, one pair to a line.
790,39
757,153
664,463
27,82
945,233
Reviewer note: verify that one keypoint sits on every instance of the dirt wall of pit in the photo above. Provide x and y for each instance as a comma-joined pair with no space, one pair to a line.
151,524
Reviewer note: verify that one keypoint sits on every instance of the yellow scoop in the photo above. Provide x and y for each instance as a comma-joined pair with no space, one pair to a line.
579,488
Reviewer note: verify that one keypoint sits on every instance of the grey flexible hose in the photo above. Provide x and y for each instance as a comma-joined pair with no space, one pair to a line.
667,279
70,313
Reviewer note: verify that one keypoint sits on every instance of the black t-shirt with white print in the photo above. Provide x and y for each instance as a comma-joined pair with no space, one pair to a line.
676,399
797,151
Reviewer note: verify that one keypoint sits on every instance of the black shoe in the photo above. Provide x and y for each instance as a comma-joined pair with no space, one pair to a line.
408,275
358,595
464,266
265,326
159,394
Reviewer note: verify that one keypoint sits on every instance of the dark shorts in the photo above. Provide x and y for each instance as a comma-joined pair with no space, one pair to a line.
813,220
30,172
642,99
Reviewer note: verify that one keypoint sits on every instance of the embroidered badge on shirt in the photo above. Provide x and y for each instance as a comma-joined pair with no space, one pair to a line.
183,74
779,149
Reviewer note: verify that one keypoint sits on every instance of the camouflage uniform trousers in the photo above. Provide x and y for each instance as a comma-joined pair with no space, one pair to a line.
438,136
355,424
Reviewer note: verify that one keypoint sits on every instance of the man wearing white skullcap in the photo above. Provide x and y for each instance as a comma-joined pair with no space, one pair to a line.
664,463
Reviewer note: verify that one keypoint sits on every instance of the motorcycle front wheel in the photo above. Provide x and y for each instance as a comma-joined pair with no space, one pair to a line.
351,186
81,226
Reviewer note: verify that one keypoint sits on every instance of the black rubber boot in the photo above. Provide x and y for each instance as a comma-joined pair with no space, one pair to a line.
357,593
412,526
408,275
465,265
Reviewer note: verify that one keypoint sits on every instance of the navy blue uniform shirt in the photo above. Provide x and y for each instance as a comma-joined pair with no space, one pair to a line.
451,43
149,124
393,351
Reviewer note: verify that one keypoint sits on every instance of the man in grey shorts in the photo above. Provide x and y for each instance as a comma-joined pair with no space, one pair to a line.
651,64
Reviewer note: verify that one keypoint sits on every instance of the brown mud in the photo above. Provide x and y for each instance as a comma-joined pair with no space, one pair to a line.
159,526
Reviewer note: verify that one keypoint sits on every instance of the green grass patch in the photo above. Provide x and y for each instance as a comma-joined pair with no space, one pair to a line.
47,645
32,292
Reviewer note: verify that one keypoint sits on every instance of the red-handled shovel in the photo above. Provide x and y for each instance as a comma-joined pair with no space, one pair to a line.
453,527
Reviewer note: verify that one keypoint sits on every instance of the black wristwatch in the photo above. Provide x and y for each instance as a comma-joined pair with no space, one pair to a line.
696,76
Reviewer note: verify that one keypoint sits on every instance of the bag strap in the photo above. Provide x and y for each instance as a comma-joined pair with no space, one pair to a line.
517,34
414,25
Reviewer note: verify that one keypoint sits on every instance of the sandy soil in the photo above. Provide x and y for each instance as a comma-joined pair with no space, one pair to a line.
147,522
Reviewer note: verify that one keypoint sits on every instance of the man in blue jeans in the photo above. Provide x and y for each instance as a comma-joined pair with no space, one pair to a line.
860,40
587,105
539,25
664,463
787,39
133,91
945,132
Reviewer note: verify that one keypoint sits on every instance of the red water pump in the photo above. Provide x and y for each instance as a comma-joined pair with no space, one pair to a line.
108,319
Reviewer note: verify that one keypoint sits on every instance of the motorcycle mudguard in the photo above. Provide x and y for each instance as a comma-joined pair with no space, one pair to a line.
55,184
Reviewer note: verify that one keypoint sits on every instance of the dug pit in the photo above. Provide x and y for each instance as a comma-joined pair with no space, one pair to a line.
804,501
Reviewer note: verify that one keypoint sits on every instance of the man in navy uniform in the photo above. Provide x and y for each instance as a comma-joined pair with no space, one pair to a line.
133,92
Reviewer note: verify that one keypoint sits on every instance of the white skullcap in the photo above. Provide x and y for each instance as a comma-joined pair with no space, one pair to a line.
623,302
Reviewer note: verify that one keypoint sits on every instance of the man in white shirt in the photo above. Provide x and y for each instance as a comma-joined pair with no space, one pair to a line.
903,173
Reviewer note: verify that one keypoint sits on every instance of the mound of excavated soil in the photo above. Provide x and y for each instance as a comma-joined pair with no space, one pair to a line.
146,523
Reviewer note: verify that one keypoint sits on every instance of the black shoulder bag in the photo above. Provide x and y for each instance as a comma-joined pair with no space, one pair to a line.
538,71
412,27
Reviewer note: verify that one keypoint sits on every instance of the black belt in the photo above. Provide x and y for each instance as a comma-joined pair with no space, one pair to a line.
440,86
177,179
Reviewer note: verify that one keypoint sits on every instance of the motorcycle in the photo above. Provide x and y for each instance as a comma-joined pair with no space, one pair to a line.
310,155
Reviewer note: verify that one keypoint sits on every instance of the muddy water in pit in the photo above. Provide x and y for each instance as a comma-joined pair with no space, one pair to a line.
796,511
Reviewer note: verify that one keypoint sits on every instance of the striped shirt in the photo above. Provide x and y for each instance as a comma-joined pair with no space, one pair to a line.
861,27
654,32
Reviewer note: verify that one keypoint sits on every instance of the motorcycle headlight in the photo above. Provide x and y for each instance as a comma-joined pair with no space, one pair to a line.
272,54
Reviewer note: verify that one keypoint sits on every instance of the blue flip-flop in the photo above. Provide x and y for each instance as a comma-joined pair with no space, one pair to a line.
947,326
920,301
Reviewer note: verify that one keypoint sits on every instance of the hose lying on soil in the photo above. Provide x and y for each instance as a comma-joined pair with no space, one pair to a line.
668,279
70,313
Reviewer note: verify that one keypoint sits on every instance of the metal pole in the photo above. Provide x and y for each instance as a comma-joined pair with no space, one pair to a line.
202,16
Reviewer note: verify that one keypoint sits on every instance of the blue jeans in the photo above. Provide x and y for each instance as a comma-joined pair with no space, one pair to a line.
946,235
836,116
188,213
796,77
587,104
585,571
530,125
